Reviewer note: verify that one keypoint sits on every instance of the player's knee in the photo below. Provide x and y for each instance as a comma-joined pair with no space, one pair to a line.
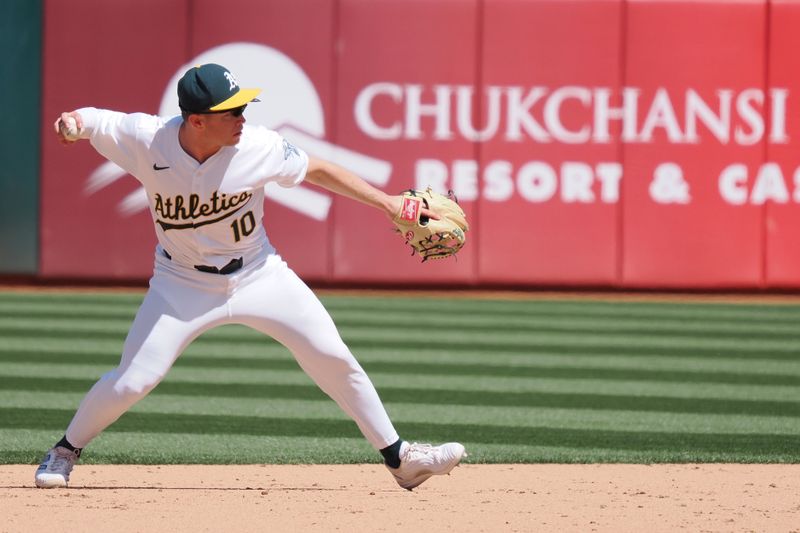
136,382
342,362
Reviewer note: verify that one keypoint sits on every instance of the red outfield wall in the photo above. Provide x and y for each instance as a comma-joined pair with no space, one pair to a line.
592,142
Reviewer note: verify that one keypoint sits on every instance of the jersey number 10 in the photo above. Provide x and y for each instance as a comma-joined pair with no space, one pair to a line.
244,226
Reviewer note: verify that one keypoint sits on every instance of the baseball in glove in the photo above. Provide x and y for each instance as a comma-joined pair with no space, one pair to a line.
432,239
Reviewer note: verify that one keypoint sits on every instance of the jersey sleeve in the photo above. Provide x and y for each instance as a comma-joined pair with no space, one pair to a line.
286,163
115,136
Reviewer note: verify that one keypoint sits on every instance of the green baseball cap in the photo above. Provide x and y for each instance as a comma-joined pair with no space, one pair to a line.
212,87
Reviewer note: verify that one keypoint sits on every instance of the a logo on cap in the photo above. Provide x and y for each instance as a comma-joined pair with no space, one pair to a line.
232,80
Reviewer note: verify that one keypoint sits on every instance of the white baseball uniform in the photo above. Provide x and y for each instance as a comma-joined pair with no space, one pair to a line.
215,265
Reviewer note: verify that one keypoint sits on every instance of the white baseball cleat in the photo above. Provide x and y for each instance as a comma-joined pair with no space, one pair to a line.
55,468
418,462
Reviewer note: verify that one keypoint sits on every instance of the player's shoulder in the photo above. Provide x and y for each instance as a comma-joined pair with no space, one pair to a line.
258,138
143,127
138,120
150,128
258,133
148,122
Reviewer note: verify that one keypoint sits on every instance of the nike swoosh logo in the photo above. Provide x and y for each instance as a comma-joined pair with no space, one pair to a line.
156,167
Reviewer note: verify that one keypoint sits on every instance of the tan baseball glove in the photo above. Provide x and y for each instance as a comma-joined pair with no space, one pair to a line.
432,239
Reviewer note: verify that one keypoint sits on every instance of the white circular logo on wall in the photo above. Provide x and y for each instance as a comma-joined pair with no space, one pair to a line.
288,97
289,104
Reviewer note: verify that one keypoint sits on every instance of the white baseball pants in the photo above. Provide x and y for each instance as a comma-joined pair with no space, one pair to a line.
182,303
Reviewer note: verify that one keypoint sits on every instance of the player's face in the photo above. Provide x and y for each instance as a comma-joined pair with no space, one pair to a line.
225,129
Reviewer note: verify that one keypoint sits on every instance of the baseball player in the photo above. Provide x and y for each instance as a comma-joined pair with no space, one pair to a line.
204,172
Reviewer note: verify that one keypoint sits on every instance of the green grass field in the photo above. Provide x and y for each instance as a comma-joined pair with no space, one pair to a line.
514,380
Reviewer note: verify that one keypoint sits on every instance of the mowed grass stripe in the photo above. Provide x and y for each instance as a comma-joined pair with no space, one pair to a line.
432,413
108,352
759,324
28,446
67,299
444,385
597,325
46,310
487,324
645,327
586,308
781,313
392,318
632,403
520,341
177,448
443,369
676,443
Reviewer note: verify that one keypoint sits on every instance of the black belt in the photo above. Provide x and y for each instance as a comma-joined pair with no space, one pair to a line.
230,268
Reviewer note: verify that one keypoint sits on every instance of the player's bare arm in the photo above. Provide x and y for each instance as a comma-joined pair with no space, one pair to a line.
341,181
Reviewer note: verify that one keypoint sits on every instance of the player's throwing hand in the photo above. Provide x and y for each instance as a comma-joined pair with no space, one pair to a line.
69,127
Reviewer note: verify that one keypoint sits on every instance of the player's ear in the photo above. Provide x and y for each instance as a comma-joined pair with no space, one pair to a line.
196,121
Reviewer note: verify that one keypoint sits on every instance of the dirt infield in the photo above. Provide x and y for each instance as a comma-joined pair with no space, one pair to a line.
487,498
